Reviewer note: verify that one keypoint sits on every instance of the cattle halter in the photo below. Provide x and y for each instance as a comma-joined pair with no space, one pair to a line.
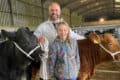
24,52
112,54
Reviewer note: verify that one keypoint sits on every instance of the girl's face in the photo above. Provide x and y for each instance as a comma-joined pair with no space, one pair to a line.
62,31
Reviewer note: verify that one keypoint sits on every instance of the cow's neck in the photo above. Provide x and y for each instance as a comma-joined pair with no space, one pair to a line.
104,56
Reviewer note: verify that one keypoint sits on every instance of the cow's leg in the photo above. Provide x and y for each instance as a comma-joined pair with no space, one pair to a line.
83,76
24,76
35,74
4,78
35,71
29,72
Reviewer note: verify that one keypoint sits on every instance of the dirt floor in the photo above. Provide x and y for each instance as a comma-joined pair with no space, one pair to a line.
107,71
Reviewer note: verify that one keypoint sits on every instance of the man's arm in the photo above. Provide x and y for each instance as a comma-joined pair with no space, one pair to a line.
76,36
39,31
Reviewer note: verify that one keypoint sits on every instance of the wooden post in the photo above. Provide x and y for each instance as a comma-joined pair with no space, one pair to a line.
11,12
42,9
70,18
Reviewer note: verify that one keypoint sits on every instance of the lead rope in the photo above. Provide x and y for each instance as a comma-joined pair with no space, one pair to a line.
112,54
24,52
43,68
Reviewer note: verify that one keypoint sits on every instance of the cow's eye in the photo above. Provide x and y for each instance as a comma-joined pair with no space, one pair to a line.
109,44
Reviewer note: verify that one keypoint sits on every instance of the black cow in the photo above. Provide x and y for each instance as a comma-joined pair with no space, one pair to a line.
14,58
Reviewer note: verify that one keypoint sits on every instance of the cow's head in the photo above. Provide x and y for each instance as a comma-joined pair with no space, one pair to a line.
108,41
25,39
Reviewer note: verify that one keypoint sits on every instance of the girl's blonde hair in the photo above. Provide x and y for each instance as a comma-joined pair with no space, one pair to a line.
68,28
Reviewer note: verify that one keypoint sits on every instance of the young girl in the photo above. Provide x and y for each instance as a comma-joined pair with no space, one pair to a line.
64,61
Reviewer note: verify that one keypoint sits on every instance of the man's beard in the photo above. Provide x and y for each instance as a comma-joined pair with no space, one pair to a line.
54,18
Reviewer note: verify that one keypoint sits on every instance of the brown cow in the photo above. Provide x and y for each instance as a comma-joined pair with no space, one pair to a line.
92,52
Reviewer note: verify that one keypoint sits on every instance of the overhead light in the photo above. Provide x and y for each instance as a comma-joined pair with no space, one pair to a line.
117,5
117,0
102,19
82,1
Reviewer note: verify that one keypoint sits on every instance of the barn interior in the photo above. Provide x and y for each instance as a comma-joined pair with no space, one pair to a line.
82,16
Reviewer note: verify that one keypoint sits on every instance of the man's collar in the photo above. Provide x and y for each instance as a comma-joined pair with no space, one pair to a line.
57,21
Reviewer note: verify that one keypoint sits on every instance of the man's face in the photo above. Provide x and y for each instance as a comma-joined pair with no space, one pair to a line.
54,11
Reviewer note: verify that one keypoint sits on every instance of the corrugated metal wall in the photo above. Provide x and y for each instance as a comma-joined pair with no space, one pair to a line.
20,12
29,13
5,16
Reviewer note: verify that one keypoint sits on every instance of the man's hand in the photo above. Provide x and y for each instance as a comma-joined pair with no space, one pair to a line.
41,40
44,43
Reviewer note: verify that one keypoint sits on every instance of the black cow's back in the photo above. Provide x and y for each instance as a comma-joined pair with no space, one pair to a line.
11,61
5,63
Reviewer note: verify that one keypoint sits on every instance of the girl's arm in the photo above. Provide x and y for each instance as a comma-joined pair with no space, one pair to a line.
52,60
77,54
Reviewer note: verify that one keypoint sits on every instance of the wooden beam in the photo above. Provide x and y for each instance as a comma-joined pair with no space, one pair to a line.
94,8
113,6
68,3
32,4
99,13
11,12
82,5
70,17
42,9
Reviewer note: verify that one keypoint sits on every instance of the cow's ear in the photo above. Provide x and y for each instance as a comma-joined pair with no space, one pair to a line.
8,35
94,38
27,28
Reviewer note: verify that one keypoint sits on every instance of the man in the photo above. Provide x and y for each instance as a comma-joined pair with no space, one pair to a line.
48,29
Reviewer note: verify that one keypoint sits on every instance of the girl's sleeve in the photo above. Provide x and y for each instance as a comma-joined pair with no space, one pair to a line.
52,59
77,54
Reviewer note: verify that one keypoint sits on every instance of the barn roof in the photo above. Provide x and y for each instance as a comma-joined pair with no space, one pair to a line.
93,9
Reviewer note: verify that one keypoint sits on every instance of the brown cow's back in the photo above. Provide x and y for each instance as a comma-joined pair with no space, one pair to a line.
90,56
